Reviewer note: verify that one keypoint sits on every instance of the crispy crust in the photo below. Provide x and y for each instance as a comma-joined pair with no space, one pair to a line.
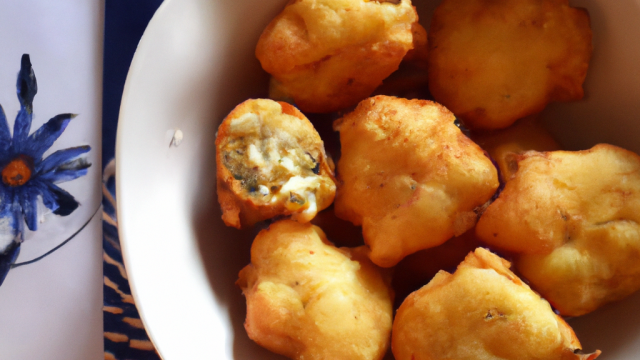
327,55
409,176
239,208
573,218
482,311
492,62
308,300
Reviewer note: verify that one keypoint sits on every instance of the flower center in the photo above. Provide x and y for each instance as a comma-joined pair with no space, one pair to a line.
17,172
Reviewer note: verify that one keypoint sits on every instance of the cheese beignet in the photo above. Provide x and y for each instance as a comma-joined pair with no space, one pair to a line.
573,218
270,162
409,176
481,312
326,55
492,62
307,299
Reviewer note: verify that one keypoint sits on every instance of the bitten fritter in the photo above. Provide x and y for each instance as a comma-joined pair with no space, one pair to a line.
492,62
271,162
307,299
573,218
504,145
409,176
327,55
481,312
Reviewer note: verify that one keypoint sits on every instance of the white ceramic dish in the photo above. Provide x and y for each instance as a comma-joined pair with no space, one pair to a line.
193,65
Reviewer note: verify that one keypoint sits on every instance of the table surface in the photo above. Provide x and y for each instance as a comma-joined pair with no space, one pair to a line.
71,297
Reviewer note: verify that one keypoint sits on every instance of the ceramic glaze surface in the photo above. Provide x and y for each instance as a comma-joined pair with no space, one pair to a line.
194,64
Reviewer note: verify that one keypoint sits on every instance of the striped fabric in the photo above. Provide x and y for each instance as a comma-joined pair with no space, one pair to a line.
124,335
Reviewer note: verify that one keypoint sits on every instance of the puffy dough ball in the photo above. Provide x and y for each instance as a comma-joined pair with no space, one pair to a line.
308,300
504,145
573,217
481,312
327,55
492,62
409,176
271,161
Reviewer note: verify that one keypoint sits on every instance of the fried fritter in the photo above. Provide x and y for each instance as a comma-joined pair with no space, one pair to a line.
573,217
503,145
326,55
307,299
492,62
481,312
409,176
270,162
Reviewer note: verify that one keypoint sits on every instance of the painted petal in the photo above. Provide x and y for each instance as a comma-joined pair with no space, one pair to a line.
7,258
5,134
26,85
59,176
66,203
48,198
5,201
27,88
16,211
29,203
46,135
60,157
21,129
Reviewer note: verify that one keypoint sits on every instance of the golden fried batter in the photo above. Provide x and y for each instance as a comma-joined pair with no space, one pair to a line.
308,300
503,145
481,312
573,217
408,176
270,162
492,62
327,55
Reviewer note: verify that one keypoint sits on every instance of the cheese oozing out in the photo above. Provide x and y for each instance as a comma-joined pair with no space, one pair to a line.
272,166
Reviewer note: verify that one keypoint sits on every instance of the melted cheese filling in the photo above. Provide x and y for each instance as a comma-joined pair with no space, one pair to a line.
271,168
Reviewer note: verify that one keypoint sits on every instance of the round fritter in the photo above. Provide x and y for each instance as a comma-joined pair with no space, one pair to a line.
409,176
326,55
492,62
574,218
481,312
307,299
270,162
503,145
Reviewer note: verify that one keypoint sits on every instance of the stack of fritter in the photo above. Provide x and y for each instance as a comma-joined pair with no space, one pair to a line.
431,186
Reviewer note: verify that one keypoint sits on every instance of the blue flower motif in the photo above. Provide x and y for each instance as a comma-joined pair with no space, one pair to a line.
26,176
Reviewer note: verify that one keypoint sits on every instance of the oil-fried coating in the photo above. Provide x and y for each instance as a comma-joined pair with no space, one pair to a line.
307,299
481,312
573,217
327,55
409,176
270,162
503,145
492,62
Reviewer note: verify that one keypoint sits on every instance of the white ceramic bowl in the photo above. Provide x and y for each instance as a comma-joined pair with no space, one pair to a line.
193,65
